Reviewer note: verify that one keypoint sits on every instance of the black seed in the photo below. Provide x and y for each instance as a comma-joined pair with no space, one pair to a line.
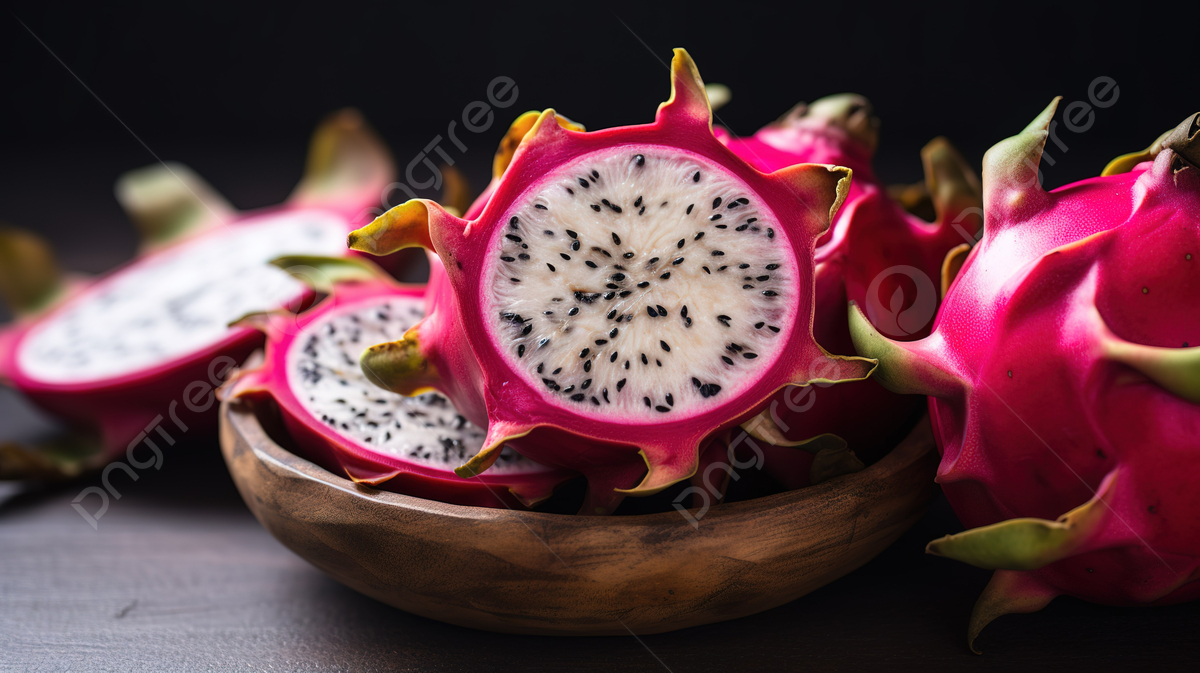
769,293
645,360
727,360
662,311
773,328
670,400
637,203
747,287
687,322
699,235
677,261
556,372
515,280
595,207
717,202
513,237
652,260
574,311
506,258
551,267
541,365
584,183
590,263
609,295
680,243
620,385
513,223
548,232
722,268
722,226
666,275
523,256
683,311
749,356
611,314
734,348
695,381
612,333
770,233
627,255
627,364
743,266
658,362
578,397
587,366
689,208
712,389
586,384
611,286
575,246
661,408
641,160
759,325
644,283
772,267
724,320
664,345
642,210
626,293
604,394
570,191
601,342
549,383
718,253
646,400
742,227
564,256
543,342
595,175
584,353
613,357
572,234
521,351
706,269
527,330
618,276
696,177
714,218
744,201
616,239
752,220
651,312
762,278
568,389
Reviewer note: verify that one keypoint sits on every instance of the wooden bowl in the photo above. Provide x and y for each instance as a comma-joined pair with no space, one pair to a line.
553,574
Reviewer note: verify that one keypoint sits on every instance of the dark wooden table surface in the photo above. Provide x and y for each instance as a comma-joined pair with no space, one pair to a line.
179,576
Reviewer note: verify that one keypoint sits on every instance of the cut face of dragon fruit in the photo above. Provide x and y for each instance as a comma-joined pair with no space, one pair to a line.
636,282
117,355
1064,381
406,444
623,296
177,302
874,254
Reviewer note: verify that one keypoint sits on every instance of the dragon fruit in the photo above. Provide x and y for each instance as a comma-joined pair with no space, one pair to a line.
873,252
150,341
1064,381
623,296
409,445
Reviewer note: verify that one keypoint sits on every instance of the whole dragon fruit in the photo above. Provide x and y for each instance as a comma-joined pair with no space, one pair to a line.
1064,382
409,445
872,253
148,342
623,296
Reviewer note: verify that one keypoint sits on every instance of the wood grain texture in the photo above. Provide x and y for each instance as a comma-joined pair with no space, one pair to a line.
552,574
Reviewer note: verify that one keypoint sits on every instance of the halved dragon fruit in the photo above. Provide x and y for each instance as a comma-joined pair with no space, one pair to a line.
409,445
1065,381
150,340
624,295
875,254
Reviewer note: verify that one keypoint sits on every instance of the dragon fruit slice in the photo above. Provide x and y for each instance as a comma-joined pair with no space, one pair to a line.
1065,382
409,445
624,295
874,254
148,342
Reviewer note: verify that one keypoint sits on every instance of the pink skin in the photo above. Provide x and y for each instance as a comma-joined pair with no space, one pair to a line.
870,234
1032,410
120,408
359,462
474,373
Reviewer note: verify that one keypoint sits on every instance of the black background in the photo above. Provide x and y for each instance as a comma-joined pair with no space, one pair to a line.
234,90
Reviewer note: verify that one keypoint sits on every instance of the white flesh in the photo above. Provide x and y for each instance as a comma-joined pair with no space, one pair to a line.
738,316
